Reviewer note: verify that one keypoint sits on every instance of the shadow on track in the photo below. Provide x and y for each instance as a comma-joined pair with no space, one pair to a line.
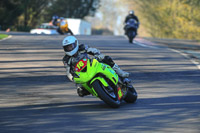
62,117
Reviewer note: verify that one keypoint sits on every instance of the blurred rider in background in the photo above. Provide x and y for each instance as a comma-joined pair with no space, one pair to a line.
131,15
62,25
73,51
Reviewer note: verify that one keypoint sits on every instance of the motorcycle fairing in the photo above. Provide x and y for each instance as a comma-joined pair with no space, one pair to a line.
94,70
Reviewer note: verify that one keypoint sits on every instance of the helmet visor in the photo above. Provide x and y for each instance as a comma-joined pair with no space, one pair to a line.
70,47
131,12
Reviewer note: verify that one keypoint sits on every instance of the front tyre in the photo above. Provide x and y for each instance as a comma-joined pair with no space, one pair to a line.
130,36
130,40
103,94
131,96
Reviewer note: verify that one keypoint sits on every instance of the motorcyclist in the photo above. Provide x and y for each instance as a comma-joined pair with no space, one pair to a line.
62,25
73,50
131,15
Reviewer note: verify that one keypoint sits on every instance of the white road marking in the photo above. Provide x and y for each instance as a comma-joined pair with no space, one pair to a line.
143,45
185,55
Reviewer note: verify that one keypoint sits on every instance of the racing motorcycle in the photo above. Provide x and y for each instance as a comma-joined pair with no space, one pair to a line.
101,81
130,29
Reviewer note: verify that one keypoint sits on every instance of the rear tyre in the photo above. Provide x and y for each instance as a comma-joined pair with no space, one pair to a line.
131,96
110,99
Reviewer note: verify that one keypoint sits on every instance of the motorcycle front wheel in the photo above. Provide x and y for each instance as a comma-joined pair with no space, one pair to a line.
105,94
131,35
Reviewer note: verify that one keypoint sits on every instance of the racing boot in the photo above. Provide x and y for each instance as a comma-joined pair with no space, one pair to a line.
82,91
120,72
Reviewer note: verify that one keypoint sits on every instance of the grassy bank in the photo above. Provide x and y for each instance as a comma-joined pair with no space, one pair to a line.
3,36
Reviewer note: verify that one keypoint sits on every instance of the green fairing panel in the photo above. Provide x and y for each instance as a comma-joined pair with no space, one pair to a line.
92,69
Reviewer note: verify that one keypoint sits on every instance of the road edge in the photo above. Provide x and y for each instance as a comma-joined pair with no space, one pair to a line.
187,56
6,38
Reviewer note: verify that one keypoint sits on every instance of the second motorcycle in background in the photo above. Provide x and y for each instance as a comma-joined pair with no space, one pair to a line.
131,29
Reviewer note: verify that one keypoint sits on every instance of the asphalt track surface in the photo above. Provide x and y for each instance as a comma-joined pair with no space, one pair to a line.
36,96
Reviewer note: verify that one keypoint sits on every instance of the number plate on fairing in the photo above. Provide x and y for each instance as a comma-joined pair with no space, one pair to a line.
80,65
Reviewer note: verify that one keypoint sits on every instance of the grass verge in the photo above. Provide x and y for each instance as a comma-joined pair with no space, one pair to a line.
3,36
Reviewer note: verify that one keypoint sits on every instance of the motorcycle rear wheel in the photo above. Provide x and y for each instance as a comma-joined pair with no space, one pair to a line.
103,95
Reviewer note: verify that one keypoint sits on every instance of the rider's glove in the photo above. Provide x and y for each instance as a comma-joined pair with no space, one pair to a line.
94,51
100,57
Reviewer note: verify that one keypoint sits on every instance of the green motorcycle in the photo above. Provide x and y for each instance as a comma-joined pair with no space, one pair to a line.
101,81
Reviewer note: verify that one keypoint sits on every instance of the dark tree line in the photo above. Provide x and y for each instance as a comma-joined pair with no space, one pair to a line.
9,11
29,13
74,8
